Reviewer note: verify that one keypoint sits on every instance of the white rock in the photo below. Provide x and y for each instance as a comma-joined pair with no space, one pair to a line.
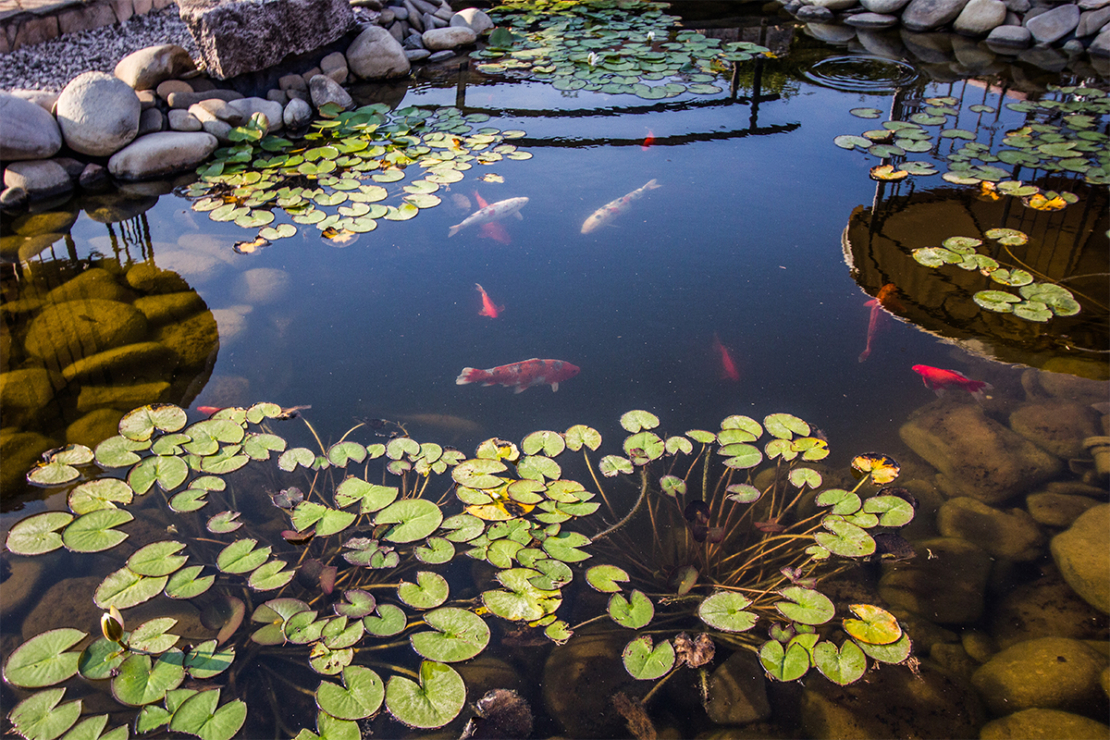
324,89
29,132
39,177
146,68
297,113
980,17
249,106
453,37
161,154
183,120
98,114
375,55
476,20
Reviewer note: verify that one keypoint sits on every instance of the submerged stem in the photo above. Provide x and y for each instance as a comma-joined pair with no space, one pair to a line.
639,502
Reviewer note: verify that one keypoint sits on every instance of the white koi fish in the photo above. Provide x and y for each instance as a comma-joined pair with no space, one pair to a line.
613,208
492,212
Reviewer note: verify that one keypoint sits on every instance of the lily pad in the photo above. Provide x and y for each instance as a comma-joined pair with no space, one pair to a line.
94,532
39,717
38,534
104,493
45,659
634,612
875,626
360,696
784,663
645,661
198,715
635,421
187,583
433,702
140,424
726,611
143,681
841,666
242,556
429,591
389,621
459,635
158,558
414,519
805,605
605,578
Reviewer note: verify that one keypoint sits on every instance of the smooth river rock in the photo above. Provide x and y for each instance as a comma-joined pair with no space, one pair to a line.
473,18
161,154
98,114
376,55
1046,607
146,68
980,17
1048,28
1044,724
1082,553
324,90
65,332
945,583
1048,672
1056,426
29,131
1012,535
925,15
39,178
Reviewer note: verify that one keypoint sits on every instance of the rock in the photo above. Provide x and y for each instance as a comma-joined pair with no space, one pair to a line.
1043,724
1046,607
172,86
1082,553
162,154
1092,21
161,309
297,114
333,63
250,106
195,340
577,686
980,17
440,56
375,54
976,456
1009,37
188,99
1048,28
473,18
93,177
217,110
925,15
239,36
98,114
13,198
292,82
277,96
884,7
150,278
415,55
261,286
835,5
95,282
1013,535
325,90
29,131
150,122
871,20
1056,509
20,585
94,427
47,222
1100,47
42,98
978,645
29,389
738,691
65,332
123,364
1048,672
38,178
20,450
146,68
945,583
182,120
812,13
1056,426
93,397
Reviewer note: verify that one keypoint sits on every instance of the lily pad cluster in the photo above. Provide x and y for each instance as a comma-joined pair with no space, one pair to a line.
1034,301
352,169
610,46
1060,136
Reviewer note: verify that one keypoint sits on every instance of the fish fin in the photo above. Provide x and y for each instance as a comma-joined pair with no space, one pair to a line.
652,184
864,355
453,230
554,387
520,389
466,376
518,216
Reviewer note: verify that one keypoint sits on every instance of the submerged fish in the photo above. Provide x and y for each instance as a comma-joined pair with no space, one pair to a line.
728,365
492,212
884,299
648,141
444,422
489,308
492,229
521,375
939,380
616,207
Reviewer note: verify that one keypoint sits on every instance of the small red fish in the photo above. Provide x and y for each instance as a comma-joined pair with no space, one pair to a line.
940,380
728,366
489,308
521,375
208,409
648,141
884,299
491,229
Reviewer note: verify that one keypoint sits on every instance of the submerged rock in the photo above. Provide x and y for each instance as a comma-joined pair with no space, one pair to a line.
738,691
94,427
1082,553
1012,535
29,389
162,309
1048,672
1044,724
944,583
1057,509
195,340
578,680
1047,607
1056,426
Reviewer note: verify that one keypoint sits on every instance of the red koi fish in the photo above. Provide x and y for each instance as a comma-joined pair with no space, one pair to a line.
884,299
491,229
209,410
728,366
648,141
521,375
940,380
489,308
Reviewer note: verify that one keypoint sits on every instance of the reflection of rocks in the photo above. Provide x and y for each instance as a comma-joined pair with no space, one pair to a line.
94,397
95,282
1058,427
1012,535
131,362
976,456
1049,724
27,390
68,331
150,278
738,691
19,451
945,583
1083,555
94,427
1048,672
1047,607
193,340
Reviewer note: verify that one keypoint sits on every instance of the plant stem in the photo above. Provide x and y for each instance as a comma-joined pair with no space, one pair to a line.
639,502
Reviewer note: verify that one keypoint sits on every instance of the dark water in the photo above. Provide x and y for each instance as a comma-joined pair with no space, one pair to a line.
743,240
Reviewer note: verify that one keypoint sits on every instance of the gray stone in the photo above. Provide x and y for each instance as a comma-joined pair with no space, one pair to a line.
1017,6
1093,4
238,36
451,38
1011,535
430,22
212,110
13,197
880,44
161,154
1048,673
1082,554
473,18
150,121
376,54
831,33
325,90
44,98
1009,37
98,114
738,691
1047,723
1056,426
440,56
1050,27
250,106
413,41
835,5
297,113
413,18
182,120
29,131
292,82
1044,57
415,55
944,584
93,177
220,129
1056,509
147,99
925,15
1101,45
813,13
885,7
146,68
871,20
400,12
980,17
1092,21
1046,607
39,178
397,31
277,96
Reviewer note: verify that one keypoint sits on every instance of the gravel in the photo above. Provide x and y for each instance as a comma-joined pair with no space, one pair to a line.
52,64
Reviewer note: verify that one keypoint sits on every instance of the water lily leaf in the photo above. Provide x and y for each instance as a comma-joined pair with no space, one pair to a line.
206,661
463,527
895,511
645,662
207,435
93,532
672,486
100,660
52,474
852,142
435,551
119,451
635,421
644,447
479,473
242,556
957,133
842,502
432,703
124,588
887,172
167,472
140,424
564,547
580,435
741,456
875,626
104,493
327,521
281,231
894,653
269,576
38,534
677,444
1011,277
1032,311
612,465
785,426
538,468
199,716
743,493
303,627
187,583
43,660
295,456
39,717
551,444
141,681
882,468
844,538
996,300
330,728
805,605
390,621
429,591
157,559
224,522
844,666
523,601
605,578
415,519
153,636
390,175
361,696
459,635
634,612
919,169
259,446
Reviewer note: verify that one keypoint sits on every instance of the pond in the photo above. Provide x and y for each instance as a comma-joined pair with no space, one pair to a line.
721,252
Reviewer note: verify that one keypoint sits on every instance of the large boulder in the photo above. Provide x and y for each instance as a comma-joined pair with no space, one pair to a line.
376,55
146,68
239,36
161,154
1048,672
1043,724
38,178
98,114
925,15
1056,426
1082,553
29,131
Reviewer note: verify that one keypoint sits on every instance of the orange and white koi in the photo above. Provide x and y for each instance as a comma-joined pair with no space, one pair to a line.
492,229
489,308
728,365
939,380
493,212
602,215
521,375
648,141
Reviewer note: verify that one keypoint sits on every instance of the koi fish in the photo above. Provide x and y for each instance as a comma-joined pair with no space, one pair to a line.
489,308
613,208
492,230
455,425
884,299
648,141
521,375
940,380
493,212
208,410
728,366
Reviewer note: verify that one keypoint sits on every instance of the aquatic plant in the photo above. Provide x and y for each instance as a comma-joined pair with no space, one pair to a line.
339,574
609,46
319,180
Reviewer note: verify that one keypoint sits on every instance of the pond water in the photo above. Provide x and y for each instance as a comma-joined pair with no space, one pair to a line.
738,285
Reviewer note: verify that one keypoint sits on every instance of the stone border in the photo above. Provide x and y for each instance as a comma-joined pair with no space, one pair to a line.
31,22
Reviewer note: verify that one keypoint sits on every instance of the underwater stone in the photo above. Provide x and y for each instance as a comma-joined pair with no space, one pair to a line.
945,583
953,658
578,680
68,331
977,456
28,389
19,451
1082,553
1048,672
65,603
96,282
161,309
194,340
1047,607
1073,388
123,364
1056,426
16,248
1056,509
94,397
94,427
738,691
20,584
1049,724
150,278
1012,535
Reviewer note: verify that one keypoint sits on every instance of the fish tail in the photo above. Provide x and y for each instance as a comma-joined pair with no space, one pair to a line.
470,375
652,184
478,285
453,230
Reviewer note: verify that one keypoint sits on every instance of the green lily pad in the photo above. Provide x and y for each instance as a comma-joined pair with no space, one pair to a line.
327,521
242,556
459,635
634,612
580,435
429,591
894,511
140,424
270,576
844,666
849,142
343,452
842,502
725,611
142,681
39,717
94,532
119,451
198,715
187,583
875,626
866,112
38,534
463,527
996,300
158,558
104,493
646,662
433,702
894,653
805,605
100,660
414,519
564,547
635,421
224,522
43,660
522,601
124,588
743,493
612,465
360,696
606,578
153,636
390,621
785,426
844,538
205,660
167,472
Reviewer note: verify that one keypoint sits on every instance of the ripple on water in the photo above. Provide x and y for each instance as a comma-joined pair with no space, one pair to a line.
862,73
